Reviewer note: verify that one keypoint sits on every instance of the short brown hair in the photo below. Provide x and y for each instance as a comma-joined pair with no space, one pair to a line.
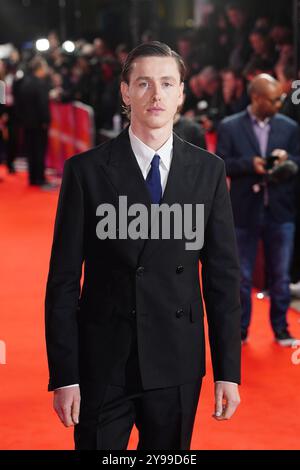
151,49
37,63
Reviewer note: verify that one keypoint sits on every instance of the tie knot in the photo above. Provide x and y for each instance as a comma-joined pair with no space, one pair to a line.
155,161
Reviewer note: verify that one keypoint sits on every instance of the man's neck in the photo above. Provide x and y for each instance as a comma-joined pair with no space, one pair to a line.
257,115
153,138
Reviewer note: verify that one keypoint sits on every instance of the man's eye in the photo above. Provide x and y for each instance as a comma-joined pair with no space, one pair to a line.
167,84
143,84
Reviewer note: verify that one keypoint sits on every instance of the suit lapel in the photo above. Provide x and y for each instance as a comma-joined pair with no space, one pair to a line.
127,179
124,172
247,124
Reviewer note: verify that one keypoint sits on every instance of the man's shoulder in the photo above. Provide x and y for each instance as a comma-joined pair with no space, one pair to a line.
100,154
285,121
234,119
87,158
199,156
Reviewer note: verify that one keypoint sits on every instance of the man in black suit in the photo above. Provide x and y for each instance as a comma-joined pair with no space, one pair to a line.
128,348
262,206
33,97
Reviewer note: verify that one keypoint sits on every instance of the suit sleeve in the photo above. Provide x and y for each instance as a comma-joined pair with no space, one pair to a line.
221,290
235,166
63,284
294,146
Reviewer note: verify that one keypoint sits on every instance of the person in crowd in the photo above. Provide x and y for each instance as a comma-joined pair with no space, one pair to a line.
255,67
291,108
11,127
280,33
185,46
235,97
122,53
239,31
253,143
189,130
33,95
204,98
262,47
285,57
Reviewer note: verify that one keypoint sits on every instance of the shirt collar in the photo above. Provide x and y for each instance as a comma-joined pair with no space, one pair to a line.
255,119
144,154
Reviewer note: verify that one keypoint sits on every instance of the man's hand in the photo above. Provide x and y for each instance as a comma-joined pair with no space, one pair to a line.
227,399
281,155
66,402
259,165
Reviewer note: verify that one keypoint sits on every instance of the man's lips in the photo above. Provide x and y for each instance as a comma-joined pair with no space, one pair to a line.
155,109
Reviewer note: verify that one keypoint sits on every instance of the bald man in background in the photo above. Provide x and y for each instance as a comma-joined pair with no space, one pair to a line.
262,209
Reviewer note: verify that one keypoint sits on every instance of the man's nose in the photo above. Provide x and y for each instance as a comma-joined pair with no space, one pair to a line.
156,92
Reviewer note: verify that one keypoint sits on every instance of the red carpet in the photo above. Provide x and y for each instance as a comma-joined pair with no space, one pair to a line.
268,417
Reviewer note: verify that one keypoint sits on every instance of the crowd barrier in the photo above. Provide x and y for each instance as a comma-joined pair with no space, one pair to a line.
71,131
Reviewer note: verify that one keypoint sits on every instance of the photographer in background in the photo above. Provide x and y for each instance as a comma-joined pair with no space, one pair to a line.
204,100
189,130
263,194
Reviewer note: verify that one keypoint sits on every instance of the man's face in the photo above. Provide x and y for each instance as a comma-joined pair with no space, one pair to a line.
236,17
184,47
154,91
269,102
258,43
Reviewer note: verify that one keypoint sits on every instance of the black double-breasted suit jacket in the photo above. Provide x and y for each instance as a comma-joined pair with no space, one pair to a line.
143,289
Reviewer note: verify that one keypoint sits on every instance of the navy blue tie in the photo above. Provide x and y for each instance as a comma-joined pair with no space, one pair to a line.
153,181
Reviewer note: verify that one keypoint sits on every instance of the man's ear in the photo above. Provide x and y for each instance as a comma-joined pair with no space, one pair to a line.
124,88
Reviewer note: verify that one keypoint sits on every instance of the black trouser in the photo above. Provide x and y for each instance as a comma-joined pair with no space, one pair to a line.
36,146
295,267
164,418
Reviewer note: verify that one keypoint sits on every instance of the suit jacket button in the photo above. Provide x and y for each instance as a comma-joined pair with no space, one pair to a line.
179,269
133,312
140,271
179,313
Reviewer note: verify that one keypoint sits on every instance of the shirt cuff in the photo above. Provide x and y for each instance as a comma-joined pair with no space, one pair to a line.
67,386
225,382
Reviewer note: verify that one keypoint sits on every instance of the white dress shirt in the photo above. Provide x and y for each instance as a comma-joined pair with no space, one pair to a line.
144,155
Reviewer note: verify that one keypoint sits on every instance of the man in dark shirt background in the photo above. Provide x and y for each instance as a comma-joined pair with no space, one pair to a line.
35,116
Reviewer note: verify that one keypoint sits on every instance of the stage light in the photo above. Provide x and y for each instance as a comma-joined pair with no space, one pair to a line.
42,45
69,46
260,295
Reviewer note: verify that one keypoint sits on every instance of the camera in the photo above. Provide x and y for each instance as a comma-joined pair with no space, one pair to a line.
270,162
